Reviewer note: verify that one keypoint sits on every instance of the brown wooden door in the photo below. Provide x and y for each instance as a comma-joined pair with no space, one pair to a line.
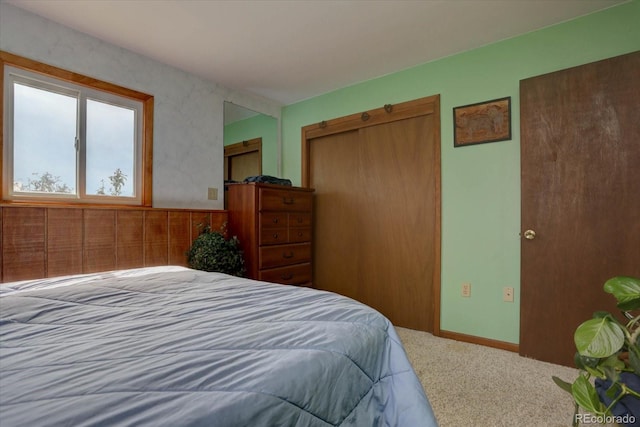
377,216
243,159
580,151
244,165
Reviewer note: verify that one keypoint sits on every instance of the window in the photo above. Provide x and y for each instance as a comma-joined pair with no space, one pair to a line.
72,139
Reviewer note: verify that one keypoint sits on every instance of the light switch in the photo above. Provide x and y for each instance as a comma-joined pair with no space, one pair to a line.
212,193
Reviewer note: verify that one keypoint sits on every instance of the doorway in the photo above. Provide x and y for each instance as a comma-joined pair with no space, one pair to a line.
241,160
580,151
376,177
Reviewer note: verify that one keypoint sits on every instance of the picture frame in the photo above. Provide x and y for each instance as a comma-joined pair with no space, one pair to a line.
482,122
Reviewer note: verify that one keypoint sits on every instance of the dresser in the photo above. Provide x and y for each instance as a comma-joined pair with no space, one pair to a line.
274,226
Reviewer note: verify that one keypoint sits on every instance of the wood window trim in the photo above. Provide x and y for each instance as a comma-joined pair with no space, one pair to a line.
146,164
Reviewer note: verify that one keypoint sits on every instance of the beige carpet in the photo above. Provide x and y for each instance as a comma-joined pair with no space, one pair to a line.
474,385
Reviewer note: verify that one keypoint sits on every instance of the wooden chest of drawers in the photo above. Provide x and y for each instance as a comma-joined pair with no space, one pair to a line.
273,224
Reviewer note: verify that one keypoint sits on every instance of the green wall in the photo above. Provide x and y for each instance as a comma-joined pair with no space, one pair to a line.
254,127
480,183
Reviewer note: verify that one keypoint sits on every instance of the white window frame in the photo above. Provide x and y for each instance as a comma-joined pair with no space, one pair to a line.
11,64
14,75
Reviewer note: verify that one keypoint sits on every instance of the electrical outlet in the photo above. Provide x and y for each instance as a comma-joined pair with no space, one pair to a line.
466,290
507,294
212,193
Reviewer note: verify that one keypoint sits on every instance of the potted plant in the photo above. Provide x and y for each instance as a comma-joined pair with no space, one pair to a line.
609,351
212,251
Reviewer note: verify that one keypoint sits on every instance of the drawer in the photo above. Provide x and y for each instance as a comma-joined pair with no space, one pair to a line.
299,219
297,235
283,200
281,255
273,219
291,275
273,236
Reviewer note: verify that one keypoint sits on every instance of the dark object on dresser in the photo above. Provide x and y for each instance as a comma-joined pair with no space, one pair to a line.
267,179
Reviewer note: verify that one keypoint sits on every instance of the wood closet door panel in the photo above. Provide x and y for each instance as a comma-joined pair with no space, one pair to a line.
334,164
377,210
64,242
99,240
396,238
376,177
23,243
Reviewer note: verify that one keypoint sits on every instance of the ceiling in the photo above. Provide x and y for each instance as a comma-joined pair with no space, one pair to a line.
291,50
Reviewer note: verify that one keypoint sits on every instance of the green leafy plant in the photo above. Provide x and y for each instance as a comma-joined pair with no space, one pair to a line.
212,251
606,348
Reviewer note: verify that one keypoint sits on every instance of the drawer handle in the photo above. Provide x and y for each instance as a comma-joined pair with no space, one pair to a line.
287,276
287,255
288,201
275,235
300,234
275,220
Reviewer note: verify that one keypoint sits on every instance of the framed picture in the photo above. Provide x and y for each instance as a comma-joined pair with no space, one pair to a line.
488,121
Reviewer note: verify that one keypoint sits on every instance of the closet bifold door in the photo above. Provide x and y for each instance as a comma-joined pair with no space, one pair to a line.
376,218
334,167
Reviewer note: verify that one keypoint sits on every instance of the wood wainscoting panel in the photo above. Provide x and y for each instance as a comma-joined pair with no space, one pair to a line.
129,239
156,238
23,243
43,241
64,241
179,237
218,222
1,251
199,220
99,240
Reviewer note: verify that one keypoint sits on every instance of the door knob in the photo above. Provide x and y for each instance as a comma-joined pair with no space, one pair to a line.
529,234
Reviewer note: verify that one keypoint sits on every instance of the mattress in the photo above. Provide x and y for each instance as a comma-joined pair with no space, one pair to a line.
171,346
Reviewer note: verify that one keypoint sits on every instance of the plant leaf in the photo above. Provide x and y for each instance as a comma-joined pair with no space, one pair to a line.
587,362
562,384
596,371
613,391
599,337
630,305
626,290
601,314
585,395
612,362
611,373
634,362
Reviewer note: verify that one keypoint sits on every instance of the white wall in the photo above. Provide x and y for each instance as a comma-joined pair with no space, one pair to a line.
188,114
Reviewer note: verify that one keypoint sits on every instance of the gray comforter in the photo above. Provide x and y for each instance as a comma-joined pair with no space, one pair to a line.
169,346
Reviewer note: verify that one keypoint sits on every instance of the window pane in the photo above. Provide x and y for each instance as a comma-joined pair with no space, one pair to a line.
44,136
110,149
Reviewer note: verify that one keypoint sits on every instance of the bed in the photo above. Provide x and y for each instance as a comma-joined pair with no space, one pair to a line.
171,346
